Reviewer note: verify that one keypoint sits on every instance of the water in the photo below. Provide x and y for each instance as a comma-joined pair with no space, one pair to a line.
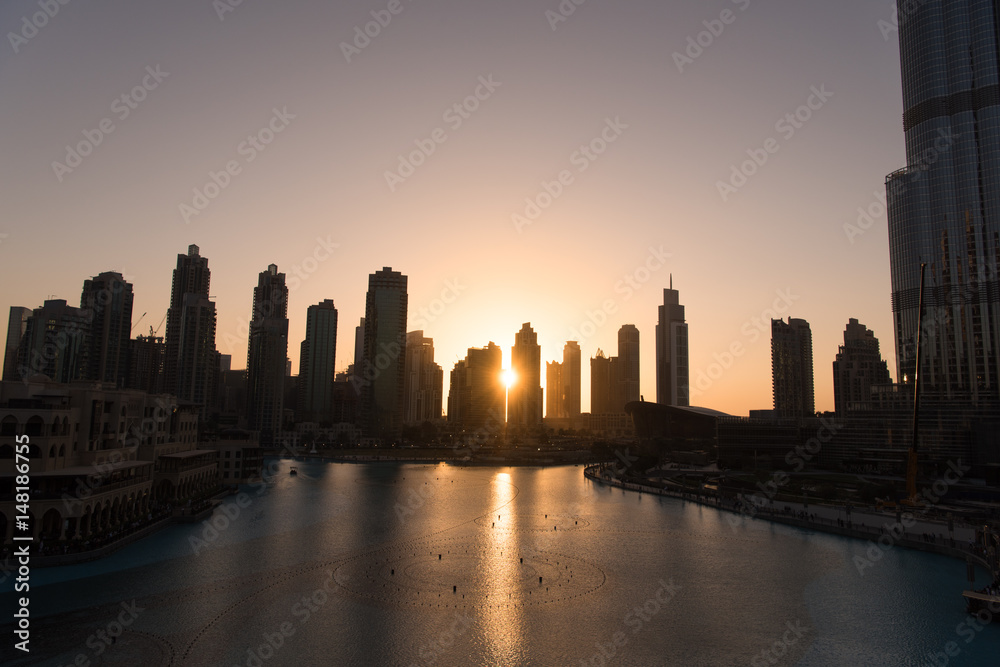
340,565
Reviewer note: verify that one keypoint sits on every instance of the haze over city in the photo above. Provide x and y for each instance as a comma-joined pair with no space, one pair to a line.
533,92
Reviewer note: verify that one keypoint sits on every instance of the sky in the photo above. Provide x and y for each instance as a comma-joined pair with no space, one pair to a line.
596,149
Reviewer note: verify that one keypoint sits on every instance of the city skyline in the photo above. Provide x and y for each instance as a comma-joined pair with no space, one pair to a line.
323,175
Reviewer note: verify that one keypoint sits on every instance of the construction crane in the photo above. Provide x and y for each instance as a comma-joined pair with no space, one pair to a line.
911,459
136,323
151,331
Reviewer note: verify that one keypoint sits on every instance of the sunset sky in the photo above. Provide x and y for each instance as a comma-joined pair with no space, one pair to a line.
340,110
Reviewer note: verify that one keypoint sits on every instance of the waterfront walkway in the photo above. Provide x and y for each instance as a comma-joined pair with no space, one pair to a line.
877,527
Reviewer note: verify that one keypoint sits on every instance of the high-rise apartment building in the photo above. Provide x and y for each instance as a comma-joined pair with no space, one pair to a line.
476,393
318,364
382,373
944,206
672,369
524,405
108,298
571,376
17,324
267,351
555,391
857,368
56,342
792,368
628,365
424,386
601,383
191,362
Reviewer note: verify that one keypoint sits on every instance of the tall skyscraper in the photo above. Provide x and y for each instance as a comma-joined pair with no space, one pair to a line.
601,383
17,324
628,364
672,351
318,364
424,384
944,206
267,350
382,373
524,403
857,368
191,366
108,298
56,342
571,376
555,391
476,393
792,368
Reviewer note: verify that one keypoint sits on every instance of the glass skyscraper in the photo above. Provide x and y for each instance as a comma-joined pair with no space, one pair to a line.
944,206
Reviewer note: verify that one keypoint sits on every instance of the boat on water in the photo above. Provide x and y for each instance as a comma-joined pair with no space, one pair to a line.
982,600
293,471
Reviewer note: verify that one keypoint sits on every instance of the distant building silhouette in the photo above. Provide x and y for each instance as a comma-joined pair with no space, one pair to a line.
56,342
627,379
672,370
267,351
146,356
191,361
382,372
570,373
424,384
525,399
108,298
792,368
857,368
318,365
476,393
601,384
17,324
555,391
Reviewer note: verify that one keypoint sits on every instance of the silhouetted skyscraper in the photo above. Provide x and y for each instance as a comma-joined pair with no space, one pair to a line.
792,368
108,298
571,377
857,368
628,365
56,342
601,381
944,206
318,364
191,365
424,380
476,393
381,377
555,391
672,351
17,324
266,354
524,403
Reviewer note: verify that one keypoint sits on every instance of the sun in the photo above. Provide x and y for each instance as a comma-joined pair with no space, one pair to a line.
508,376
